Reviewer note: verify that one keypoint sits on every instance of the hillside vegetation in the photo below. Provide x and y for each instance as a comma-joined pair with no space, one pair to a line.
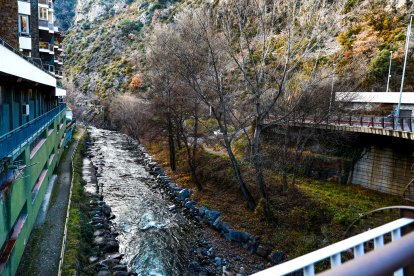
198,82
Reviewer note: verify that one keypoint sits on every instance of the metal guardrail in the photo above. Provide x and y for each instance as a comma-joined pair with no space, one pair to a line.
307,263
391,122
9,47
387,123
20,137
383,261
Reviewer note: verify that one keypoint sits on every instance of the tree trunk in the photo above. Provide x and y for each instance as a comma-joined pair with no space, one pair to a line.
257,159
237,174
171,146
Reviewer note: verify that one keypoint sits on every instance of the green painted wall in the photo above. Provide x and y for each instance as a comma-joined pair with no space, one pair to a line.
19,196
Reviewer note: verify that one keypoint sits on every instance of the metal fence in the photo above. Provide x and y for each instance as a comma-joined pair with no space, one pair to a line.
14,141
390,122
306,265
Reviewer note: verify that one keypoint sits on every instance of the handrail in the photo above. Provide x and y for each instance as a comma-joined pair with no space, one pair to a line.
306,262
11,141
409,208
388,123
12,49
388,259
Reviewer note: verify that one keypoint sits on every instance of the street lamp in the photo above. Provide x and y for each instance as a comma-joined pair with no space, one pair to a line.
389,74
407,44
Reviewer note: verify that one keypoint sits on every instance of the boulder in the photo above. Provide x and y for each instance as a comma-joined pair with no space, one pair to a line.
111,246
217,224
120,268
120,273
211,216
107,210
104,273
237,236
276,257
183,194
190,204
262,251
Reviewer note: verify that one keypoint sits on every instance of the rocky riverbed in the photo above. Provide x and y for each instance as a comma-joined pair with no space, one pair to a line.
146,225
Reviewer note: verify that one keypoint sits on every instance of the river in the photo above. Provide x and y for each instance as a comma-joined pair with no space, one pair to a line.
154,240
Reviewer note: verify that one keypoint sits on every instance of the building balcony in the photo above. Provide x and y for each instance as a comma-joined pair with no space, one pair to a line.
16,64
45,47
49,68
46,3
59,74
46,25
12,143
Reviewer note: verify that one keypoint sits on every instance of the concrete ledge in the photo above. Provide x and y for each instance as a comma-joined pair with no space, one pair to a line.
15,65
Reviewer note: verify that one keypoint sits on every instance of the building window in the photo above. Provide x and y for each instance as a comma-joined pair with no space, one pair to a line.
43,13
24,24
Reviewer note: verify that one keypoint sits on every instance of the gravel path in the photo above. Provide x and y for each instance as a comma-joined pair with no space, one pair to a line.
41,256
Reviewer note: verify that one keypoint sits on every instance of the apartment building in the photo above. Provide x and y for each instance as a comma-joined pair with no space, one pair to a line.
39,38
33,123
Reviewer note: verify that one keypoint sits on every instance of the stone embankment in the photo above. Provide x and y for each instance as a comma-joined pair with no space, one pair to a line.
218,249
226,256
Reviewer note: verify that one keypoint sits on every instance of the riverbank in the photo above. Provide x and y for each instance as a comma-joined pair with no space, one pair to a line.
316,214
154,232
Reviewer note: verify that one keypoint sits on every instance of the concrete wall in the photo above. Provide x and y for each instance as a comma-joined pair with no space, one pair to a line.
9,22
384,169
19,198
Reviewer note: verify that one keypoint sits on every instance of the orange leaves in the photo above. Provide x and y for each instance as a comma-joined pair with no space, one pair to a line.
137,82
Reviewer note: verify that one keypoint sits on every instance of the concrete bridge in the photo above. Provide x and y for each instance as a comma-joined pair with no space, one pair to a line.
386,162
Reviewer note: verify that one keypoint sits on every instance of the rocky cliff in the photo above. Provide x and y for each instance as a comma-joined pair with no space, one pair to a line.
105,44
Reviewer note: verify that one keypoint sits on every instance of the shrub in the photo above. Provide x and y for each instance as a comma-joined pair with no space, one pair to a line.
378,68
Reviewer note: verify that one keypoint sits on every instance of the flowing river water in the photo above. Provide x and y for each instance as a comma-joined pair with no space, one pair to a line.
154,240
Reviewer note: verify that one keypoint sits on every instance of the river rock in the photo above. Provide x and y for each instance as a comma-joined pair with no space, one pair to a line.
120,268
211,216
185,193
99,240
104,273
106,210
93,259
121,273
237,236
276,257
262,251
111,246
217,224
98,233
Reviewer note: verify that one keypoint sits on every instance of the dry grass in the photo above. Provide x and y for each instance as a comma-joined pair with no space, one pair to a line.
312,216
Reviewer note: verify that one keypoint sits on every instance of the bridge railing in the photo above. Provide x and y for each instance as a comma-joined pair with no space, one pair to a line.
357,244
391,122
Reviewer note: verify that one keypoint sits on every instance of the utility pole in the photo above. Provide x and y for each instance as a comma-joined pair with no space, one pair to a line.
407,44
389,74
332,89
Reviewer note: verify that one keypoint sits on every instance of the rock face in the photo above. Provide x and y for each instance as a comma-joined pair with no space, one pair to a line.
90,10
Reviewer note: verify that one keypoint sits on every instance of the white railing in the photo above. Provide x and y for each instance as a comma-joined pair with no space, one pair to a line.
334,252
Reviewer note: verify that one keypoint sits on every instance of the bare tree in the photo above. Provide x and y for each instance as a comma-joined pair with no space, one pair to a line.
129,114
200,62
269,45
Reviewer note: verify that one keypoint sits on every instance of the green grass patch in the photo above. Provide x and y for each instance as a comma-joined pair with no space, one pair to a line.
80,233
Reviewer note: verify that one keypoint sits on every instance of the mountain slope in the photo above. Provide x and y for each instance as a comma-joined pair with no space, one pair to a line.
105,46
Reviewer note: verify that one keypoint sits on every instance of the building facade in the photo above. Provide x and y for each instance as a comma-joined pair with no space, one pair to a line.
32,120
